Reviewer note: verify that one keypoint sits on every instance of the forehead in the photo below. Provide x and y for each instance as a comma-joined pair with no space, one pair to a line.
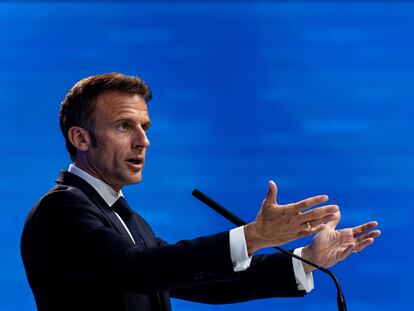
111,104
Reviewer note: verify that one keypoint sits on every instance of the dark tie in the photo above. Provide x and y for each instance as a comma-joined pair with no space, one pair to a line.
122,208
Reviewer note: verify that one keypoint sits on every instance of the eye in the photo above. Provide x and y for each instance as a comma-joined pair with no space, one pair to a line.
123,126
146,127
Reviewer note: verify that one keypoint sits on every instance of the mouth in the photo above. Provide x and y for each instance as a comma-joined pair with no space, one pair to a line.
136,163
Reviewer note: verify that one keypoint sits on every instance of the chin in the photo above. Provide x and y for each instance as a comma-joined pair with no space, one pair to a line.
130,178
135,179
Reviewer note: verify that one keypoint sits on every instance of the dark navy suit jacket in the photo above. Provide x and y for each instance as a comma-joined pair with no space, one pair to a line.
78,256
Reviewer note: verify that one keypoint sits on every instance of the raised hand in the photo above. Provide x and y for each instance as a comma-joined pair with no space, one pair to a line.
279,224
331,246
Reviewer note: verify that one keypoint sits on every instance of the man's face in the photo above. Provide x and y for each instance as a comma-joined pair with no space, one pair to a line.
121,122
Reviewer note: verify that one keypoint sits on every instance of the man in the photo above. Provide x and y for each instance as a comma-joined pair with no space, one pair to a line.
84,249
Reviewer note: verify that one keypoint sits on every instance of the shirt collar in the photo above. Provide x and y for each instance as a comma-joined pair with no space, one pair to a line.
105,191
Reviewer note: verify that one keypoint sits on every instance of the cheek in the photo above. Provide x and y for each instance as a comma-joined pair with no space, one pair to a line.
105,153
112,150
116,154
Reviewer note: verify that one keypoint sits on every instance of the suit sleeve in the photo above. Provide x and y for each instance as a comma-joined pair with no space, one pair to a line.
74,242
269,275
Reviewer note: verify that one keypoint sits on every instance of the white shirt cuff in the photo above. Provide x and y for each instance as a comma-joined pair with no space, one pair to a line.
238,250
303,280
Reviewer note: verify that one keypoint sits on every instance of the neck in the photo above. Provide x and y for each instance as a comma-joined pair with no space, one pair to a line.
91,170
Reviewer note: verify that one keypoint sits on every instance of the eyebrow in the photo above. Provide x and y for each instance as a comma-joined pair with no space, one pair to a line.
128,119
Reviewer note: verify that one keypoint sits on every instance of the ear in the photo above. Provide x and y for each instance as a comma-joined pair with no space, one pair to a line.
80,138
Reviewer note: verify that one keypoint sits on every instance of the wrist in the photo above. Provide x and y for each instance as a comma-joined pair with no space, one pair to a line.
307,254
252,238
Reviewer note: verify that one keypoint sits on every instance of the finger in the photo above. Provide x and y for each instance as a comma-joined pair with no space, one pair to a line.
373,234
318,213
361,229
271,193
309,202
324,220
346,252
319,228
309,230
360,246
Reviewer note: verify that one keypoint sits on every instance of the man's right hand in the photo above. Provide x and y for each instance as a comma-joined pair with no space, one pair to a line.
279,224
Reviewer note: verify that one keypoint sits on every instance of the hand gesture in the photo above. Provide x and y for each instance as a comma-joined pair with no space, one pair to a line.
279,224
331,246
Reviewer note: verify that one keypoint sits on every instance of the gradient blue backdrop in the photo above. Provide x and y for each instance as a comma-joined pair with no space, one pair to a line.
317,96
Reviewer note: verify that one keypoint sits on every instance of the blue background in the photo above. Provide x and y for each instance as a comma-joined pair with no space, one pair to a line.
315,95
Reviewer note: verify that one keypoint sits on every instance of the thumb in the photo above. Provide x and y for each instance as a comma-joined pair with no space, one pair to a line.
332,224
271,193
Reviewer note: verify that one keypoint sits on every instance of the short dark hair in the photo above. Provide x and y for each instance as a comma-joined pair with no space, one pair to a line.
79,103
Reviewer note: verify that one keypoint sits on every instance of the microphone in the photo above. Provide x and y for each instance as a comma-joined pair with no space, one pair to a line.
340,299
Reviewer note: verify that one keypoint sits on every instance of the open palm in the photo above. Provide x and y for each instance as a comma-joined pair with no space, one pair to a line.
331,246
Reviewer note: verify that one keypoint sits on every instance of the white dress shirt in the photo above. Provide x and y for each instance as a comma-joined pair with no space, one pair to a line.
238,249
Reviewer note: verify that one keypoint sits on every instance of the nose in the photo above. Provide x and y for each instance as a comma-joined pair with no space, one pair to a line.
140,139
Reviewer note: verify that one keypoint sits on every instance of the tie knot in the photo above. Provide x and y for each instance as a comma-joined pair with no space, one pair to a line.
122,208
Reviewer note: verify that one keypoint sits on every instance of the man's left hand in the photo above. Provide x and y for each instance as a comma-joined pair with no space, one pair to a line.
331,246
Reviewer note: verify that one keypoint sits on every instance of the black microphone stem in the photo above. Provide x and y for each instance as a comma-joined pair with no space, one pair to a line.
239,222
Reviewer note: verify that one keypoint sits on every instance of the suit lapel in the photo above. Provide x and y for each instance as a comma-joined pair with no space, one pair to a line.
67,178
70,179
